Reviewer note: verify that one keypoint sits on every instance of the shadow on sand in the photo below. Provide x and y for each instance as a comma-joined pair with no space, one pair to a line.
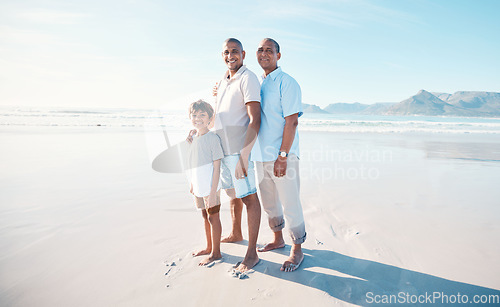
357,281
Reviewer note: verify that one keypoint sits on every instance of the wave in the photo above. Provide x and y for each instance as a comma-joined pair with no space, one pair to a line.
178,121
401,125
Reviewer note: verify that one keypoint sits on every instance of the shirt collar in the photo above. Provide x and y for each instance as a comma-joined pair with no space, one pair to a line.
236,75
274,74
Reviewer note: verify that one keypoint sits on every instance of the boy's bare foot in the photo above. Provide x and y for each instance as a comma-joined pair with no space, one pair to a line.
210,259
294,261
271,246
247,264
232,238
205,251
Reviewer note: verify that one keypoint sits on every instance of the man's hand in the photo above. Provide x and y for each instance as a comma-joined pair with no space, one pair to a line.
241,167
280,167
191,189
189,138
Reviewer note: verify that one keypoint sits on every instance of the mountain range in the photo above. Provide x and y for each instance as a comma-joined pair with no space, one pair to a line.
463,103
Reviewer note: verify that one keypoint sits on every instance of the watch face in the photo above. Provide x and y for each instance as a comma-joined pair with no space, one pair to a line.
283,154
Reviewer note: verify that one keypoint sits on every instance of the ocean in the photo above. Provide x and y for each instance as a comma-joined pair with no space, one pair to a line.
177,121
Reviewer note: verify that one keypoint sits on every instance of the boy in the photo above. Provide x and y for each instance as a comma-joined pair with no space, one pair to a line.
204,159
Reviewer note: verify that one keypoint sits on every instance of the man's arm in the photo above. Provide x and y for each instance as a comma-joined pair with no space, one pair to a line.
253,110
291,123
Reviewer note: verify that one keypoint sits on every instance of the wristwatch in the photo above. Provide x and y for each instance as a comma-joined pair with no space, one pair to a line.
283,154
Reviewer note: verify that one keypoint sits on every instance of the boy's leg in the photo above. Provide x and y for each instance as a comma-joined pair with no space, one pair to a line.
208,236
214,219
216,230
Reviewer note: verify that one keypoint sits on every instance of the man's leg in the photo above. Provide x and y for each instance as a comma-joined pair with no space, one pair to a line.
295,259
277,242
236,206
288,189
271,204
245,189
253,212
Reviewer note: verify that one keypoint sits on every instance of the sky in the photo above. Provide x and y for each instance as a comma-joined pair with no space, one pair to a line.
154,53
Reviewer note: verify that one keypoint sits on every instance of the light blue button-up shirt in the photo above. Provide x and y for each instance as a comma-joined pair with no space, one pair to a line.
280,97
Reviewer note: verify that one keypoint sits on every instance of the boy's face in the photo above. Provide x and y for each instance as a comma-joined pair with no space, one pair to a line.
200,119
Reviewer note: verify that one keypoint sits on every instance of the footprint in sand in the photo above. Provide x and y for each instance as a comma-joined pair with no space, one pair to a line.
168,271
350,233
172,266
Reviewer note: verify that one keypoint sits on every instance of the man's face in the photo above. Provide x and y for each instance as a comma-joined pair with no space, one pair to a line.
267,56
233,56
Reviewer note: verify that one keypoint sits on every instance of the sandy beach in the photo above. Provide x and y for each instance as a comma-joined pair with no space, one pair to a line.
85,221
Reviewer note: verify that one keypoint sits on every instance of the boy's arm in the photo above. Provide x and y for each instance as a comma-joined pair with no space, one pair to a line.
253,110
212,198
291,123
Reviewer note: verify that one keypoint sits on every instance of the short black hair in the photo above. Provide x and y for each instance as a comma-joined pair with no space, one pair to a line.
234,40
276,45
203,106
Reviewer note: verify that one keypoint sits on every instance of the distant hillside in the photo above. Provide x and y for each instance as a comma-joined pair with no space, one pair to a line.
459,104
442,96
463,103
378,108
345,108
482,103
423,103
312,108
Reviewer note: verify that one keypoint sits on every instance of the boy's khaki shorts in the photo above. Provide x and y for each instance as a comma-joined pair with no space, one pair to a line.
202,203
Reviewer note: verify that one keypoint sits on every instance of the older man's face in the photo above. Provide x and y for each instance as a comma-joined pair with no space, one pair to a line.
267,56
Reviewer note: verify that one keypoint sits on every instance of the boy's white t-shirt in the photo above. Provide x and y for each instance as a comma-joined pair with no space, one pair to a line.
203,151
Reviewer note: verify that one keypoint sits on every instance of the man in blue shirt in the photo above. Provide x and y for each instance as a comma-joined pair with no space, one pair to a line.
276,153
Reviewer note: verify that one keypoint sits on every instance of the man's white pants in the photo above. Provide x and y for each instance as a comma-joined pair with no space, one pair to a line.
280,197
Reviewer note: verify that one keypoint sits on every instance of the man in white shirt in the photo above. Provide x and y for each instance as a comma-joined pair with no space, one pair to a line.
237,122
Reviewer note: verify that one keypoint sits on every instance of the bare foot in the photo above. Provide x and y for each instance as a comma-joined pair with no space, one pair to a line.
210,259
232,238
205,251
294,261
271,246
247,264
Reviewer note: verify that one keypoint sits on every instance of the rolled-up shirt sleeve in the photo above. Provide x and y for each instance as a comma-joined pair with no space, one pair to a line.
291,97
250,87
